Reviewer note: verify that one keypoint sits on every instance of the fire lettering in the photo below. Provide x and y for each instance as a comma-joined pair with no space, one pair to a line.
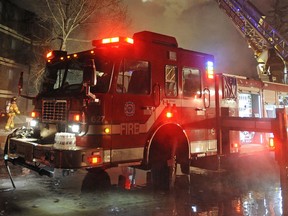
130,128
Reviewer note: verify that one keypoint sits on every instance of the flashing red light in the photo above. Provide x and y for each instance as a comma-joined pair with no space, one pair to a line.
129,40
113,41
110,40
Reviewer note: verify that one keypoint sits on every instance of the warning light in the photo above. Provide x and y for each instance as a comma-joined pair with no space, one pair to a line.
94,159
34,114
129,40
116,41
271,143
236,145
210,70
169,114
49,55
56,54
76,117
107,130
110,40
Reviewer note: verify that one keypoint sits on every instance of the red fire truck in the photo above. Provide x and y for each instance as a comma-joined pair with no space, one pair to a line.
141,102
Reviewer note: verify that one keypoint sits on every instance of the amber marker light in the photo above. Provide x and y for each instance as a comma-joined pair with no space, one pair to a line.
76,117
94,159
107,130
169,114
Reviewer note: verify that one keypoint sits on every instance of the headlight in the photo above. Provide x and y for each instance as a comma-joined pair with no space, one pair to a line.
33,123
75,128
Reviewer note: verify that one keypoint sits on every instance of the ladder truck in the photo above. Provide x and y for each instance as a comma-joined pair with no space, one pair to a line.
269,46
139,102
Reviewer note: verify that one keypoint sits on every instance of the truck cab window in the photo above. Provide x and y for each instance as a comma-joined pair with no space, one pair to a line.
134,77
191,82
171,81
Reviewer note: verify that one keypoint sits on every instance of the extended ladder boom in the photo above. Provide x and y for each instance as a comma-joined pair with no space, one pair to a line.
259,34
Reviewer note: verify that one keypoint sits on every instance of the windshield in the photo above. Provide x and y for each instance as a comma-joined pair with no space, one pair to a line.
69,75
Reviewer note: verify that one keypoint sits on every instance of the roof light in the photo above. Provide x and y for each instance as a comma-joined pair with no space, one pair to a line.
113,41
210,70
129,40
56,53
49,54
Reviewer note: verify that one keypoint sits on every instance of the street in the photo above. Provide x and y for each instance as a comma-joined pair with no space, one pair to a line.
252,188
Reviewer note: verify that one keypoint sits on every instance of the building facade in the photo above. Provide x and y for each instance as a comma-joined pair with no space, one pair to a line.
16,33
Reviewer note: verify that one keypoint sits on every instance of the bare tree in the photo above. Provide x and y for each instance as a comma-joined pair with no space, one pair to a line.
65,17
72,24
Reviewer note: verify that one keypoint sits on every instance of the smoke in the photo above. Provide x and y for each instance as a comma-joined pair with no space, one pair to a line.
176,8
198,25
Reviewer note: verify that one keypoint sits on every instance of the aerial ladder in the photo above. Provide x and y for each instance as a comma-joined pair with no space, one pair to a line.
271,51
269,46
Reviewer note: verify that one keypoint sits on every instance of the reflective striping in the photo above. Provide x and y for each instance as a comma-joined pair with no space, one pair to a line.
127,154
203,146
116,129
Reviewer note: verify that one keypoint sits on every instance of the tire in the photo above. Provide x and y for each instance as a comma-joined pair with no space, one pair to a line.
96,180
163,164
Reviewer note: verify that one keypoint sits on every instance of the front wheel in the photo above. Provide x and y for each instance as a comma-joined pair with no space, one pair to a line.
163,176
163,165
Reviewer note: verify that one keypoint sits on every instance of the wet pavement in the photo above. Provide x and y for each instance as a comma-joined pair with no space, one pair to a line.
251,188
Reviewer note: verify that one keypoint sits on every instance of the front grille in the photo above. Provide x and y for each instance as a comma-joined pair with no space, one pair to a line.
54,110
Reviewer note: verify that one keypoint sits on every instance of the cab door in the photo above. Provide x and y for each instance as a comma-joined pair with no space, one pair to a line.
132,110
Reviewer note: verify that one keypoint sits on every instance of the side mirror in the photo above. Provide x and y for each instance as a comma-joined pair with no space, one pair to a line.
20,84
89,76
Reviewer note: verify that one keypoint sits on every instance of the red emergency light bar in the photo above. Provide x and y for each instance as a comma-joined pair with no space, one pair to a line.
113,41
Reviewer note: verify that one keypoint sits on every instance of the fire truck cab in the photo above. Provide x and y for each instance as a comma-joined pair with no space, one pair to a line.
140,101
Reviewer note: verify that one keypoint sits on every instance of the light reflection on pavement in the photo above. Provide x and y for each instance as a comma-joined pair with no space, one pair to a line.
253,188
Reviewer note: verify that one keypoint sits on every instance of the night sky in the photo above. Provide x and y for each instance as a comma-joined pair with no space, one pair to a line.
198,25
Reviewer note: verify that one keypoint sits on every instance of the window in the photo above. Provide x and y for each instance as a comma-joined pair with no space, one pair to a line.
171,89
191,82
134,77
